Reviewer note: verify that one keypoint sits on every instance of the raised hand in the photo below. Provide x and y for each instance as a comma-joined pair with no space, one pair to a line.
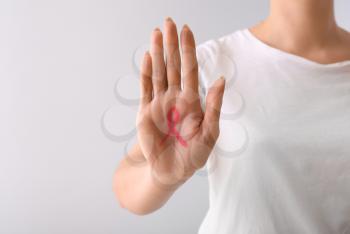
174,134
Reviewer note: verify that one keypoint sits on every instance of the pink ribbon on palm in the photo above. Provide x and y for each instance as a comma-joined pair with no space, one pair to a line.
173,117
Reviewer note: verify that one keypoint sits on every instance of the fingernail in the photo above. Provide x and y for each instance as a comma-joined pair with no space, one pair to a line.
186,27
222,79
156,29
168,19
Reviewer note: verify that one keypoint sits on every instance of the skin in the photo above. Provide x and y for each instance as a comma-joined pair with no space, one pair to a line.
153,169
306,28
151,172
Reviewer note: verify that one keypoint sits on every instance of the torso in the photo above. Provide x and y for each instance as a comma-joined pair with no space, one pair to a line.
282,160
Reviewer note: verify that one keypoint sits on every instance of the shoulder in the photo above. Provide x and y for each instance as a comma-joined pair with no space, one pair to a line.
216,57
212,48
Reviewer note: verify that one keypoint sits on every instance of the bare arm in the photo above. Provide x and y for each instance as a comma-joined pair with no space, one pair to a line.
134,186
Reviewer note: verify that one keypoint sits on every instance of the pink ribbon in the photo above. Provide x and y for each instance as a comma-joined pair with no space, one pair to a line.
173,117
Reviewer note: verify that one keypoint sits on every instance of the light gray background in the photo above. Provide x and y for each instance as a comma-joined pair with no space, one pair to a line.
59,61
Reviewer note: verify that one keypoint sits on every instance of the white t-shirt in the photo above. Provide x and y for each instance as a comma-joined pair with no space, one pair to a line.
281,164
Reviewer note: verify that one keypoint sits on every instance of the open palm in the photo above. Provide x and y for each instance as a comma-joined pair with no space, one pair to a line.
174,134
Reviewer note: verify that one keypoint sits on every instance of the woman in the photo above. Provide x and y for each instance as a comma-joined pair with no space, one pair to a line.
292,72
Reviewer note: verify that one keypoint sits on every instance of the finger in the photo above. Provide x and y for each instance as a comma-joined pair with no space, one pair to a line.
210,123
173,61
158,64
146,79
189,60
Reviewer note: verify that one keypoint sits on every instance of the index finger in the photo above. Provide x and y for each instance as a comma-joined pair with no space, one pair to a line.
189,60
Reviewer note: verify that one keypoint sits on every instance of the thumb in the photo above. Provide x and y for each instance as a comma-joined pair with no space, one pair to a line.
210,124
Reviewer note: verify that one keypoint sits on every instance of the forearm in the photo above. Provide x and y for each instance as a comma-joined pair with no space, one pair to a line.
136,188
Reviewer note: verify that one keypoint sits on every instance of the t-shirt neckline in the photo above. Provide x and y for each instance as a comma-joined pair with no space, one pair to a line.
296,58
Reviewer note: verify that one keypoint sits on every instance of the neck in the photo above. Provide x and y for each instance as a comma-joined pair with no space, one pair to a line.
307,23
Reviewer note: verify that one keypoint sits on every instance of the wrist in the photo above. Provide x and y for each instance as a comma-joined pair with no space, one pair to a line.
166,182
